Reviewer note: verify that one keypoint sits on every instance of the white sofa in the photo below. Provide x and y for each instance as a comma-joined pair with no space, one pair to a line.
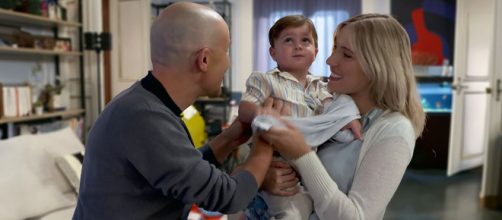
32,186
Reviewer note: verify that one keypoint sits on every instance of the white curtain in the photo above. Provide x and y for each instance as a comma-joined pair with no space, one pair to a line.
325,14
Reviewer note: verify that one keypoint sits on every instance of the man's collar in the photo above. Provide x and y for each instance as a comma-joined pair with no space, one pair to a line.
154,86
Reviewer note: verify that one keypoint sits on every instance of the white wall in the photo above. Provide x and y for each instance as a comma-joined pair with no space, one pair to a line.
376,6
242,43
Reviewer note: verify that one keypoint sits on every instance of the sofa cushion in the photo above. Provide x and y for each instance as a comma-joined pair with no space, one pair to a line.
71,167
60,214
31,184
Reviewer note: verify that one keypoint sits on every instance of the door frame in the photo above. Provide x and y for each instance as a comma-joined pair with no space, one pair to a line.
491,185
107,82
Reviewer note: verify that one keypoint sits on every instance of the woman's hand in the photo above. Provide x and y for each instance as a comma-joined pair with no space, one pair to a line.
281,179
288,141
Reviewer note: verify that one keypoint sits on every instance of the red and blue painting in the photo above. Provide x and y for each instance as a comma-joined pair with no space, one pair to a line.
431,27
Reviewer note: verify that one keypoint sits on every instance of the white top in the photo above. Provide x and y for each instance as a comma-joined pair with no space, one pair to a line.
303,101
386,152
320,128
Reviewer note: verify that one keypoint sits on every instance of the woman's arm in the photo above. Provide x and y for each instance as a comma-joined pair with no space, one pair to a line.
385,154
375,182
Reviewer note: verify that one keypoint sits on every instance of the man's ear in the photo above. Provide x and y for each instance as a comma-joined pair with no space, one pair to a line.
202,59
271,50
316,51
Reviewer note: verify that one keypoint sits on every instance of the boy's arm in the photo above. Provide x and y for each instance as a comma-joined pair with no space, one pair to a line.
350,109
257,90
247,111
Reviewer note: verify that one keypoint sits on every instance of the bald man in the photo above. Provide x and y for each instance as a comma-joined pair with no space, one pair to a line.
140,162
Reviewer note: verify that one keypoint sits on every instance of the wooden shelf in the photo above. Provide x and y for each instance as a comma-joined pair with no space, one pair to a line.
17,18
28,51
62,114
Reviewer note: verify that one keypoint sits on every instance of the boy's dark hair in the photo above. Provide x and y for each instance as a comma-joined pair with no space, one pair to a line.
290,21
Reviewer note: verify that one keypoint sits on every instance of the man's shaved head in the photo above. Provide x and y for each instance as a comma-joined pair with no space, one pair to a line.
181,29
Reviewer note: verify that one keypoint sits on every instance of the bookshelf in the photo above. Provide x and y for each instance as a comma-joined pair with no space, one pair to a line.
24,19
54,26
31,51
57,114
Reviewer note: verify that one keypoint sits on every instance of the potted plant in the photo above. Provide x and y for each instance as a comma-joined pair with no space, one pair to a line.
39,107
52,94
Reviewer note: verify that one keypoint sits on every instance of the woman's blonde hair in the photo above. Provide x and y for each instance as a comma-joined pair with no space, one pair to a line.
382,47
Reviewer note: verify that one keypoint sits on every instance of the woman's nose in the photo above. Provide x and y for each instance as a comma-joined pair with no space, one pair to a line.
331,60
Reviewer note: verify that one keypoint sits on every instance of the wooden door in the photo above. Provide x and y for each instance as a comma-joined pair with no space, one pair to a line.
473,71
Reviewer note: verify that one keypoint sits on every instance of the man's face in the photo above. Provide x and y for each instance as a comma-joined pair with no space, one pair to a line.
219,63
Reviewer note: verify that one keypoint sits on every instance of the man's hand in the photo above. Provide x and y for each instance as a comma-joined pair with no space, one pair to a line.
281,179
229,139
237,133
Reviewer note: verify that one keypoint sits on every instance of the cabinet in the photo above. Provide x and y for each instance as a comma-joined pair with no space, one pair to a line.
431,149
66,66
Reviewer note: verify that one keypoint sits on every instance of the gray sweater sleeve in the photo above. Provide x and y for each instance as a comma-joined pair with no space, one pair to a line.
208,155
162,152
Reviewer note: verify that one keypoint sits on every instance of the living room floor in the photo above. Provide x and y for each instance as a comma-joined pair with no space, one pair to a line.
430,194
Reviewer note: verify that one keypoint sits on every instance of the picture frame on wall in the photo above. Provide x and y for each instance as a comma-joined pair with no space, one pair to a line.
431,27
62,44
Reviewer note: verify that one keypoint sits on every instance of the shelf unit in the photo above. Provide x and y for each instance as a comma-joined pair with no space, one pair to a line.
28,20
58,114
31,51
434,78
23,19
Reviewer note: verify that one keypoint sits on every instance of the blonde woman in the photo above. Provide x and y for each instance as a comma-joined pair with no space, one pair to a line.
371,62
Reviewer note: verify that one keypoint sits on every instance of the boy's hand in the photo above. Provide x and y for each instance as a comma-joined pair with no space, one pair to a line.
281,179
355,127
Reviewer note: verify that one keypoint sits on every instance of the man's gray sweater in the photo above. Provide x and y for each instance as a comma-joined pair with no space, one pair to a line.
140,163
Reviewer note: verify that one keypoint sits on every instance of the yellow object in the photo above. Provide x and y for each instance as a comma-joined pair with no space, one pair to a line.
196,126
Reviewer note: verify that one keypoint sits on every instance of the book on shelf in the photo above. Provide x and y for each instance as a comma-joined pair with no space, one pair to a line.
15,100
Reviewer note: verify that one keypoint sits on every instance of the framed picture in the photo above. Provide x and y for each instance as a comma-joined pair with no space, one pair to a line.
431,27
63,44
43,43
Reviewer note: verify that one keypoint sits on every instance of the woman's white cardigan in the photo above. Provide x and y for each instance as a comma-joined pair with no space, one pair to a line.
386,152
